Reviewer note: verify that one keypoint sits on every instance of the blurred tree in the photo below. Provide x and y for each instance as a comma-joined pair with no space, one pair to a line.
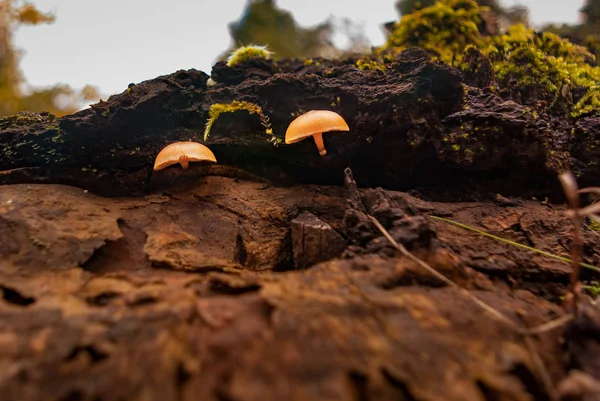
263,23
15,96
357,39
589,30
516,14
591,13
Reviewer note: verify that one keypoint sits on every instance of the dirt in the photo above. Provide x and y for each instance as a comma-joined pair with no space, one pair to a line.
263,277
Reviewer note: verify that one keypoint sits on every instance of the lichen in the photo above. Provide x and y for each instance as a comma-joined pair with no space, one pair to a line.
246,53
218,108
44,137
25,118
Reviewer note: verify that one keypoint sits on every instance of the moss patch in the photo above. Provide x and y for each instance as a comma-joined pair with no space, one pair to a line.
542,65
445,29
547,64
589,103
246,53
218,108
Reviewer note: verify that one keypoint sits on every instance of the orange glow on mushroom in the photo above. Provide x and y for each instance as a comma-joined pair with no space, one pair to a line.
183,153
315,123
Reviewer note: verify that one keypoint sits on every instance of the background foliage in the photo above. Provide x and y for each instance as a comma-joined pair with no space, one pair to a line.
15,94
464,23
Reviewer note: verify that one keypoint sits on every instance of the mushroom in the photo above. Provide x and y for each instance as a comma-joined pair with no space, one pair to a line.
315,123
183,153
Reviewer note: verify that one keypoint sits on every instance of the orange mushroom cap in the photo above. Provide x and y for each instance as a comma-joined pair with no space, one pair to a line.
183,153
314,122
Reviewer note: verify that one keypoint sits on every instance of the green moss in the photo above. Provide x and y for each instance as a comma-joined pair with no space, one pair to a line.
589,103
218,108
59,137
546,62
540,65
297,113
445,29
366,64
335,102
246,53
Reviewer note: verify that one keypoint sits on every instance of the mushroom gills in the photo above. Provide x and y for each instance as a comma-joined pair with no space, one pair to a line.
183,153
185,162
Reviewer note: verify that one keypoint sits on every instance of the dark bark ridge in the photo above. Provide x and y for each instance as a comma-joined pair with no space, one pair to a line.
417,125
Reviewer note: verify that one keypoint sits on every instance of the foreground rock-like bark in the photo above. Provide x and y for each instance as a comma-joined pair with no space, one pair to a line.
160,297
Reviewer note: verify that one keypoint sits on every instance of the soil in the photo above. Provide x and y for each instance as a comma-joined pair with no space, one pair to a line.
264,277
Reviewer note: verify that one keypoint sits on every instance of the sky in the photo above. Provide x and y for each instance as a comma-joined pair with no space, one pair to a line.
111,43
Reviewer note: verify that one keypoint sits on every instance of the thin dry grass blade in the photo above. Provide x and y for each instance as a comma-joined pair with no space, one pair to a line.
551,325
590,190
589,210
443,278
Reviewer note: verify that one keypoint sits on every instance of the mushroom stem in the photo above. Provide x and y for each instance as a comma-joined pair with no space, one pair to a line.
319,142
183,160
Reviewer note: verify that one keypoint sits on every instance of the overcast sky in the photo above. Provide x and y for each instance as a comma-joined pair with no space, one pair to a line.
110,43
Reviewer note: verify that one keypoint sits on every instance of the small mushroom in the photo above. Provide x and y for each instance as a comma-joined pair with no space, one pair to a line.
315,123
183,153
